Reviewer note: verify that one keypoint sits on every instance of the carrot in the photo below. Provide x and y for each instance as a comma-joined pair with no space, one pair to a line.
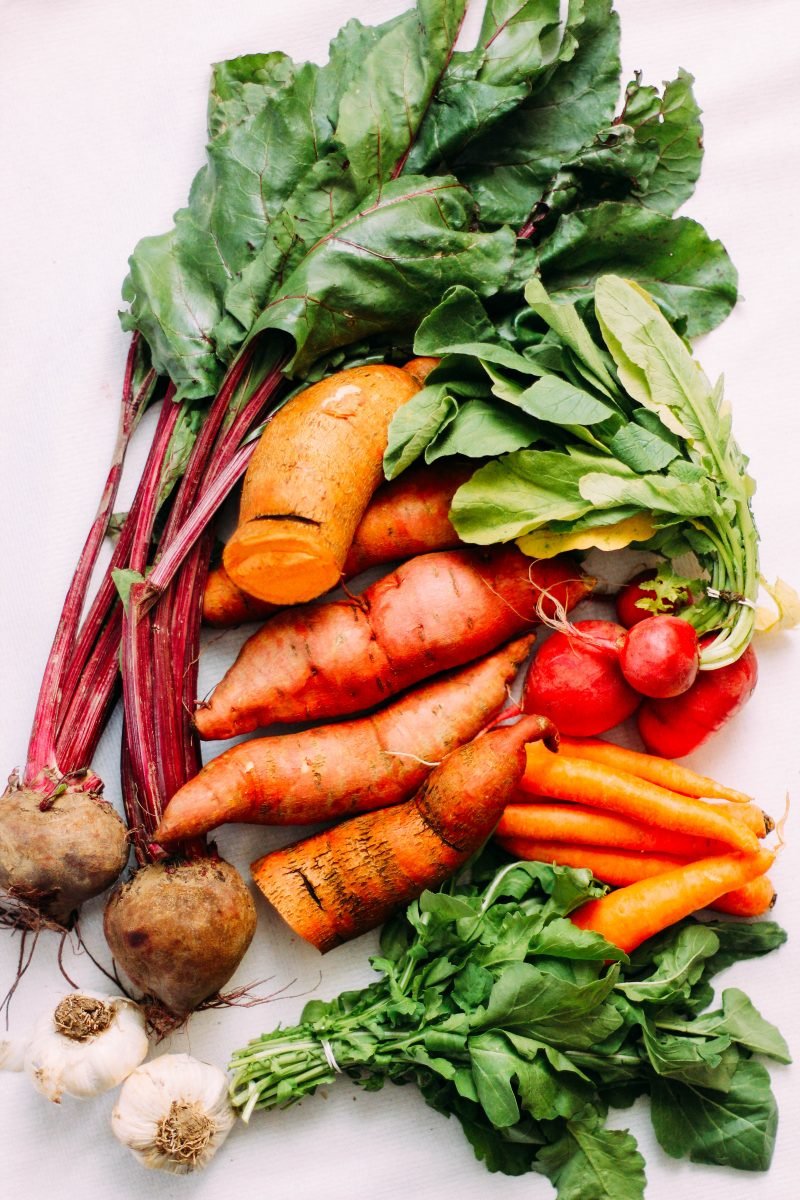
310,479
618,867
408,516
751,900
621,869
420,368
662,771
577,823
599,786
435,612
336,770
348,879
630,915
751,815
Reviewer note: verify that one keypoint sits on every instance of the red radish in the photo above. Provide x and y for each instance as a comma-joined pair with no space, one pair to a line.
661,657
679,725
576,681
630,614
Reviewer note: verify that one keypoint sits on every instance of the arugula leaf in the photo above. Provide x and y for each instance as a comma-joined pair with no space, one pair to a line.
734,1129
739,1020
677,966
589,1162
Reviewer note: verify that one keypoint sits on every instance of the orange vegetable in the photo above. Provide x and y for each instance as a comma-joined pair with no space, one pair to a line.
420,368
309,481
622,868
543,820
336,770
662,771
600,786
408,516
346,880
630,915
435,612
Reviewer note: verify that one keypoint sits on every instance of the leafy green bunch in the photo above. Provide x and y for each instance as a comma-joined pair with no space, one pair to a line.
527,1029
600,429
339,202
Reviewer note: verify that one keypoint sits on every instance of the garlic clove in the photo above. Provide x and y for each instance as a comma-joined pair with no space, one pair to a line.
174,1113
88,1045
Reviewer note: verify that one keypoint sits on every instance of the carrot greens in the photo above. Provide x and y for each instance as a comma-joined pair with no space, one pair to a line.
527,1029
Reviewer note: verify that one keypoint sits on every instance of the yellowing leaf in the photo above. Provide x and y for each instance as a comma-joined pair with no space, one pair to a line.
785,615
543,543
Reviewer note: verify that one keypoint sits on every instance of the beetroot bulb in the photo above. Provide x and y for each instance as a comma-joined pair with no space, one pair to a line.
576,681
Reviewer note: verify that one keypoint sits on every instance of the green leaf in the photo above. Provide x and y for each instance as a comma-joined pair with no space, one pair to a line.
671,126
509,169
380,112
563,319
556,400
656,493
592,1163
688,274
481,429
415,425
644,444
521,39
742,1022
680,963
124,580
526,490
702,1062
376,270
734,1129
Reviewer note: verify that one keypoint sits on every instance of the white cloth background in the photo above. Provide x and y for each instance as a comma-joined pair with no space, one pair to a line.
102,124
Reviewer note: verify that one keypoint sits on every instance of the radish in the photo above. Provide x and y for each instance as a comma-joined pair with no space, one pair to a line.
674,727
627,600
660,657
576,681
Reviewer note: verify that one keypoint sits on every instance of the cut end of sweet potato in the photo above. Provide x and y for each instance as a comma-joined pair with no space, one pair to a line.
281,562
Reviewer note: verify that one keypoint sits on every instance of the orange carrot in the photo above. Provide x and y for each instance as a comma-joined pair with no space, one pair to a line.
600,786
663,771
621,869
336,770
309,481
751,900
617,867
751,815
543,820
408,516
341,882
631,915
435,612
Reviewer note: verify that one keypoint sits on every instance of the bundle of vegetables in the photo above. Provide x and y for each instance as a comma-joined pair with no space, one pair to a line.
629,817
606,432
398,170
526,1029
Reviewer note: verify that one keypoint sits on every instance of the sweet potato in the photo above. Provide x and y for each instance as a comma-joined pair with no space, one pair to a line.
349,879
433,613
336,770
310,479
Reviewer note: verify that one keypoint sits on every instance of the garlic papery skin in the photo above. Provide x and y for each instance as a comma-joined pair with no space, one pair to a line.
87,1045
174,1113
12,1054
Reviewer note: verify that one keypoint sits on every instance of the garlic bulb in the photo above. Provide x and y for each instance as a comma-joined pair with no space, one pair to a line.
88,1045
174,1113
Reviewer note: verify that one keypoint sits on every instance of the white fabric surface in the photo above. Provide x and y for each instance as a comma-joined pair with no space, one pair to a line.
102,129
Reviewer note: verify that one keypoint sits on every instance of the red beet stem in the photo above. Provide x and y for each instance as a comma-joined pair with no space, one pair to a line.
42,746
161,628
